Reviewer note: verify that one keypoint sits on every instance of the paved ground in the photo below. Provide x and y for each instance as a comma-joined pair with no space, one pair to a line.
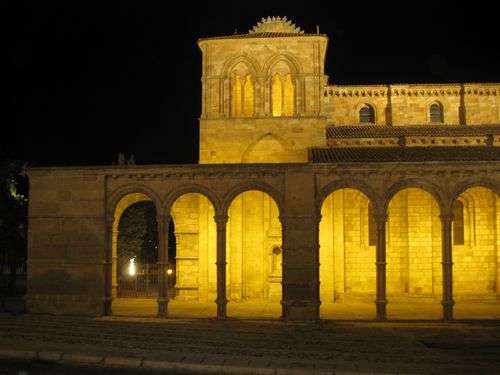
418,308
335,347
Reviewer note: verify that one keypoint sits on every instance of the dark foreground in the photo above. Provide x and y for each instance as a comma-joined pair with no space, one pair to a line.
48,368
325,347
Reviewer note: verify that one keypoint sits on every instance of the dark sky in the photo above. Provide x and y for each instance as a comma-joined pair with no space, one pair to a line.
85,80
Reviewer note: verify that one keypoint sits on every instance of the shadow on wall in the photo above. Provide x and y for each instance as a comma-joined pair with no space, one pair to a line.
60,291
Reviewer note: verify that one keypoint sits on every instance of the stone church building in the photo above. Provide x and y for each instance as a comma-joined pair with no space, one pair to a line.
307,196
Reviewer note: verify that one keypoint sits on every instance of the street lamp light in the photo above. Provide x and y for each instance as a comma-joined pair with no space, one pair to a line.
131,267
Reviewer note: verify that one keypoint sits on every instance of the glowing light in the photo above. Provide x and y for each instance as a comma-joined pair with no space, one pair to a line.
170,271
131,267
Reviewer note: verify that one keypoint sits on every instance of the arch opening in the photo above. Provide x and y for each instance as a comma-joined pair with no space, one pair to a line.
475,251
347,256
134,254
413,256
254,256
192,257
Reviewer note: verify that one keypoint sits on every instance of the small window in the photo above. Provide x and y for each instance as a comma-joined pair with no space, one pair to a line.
458,223
436,113
367,115
372,229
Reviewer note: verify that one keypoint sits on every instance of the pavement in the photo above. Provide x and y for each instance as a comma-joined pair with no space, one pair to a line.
239,346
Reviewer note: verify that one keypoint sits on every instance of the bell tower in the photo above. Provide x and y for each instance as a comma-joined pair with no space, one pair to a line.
262,94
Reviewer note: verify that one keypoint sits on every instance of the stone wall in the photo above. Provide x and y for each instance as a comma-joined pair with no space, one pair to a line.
409,104
476,261
73,211
66,241
272,140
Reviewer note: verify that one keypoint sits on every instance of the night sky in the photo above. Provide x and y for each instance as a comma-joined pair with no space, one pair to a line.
85,81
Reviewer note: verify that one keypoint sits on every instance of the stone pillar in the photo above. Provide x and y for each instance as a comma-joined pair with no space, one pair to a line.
381,300
299,221
300,268
162,224
108,266
114,261
221,221
446,261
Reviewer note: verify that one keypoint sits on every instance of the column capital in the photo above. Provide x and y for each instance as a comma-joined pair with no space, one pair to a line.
287,218
221,219
161,218
380,218
446,217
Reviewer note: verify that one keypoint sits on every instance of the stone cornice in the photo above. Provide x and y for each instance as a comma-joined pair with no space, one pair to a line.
418,90
190,173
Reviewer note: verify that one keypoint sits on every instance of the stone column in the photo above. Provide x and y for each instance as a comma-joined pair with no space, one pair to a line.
114,261
381,300
108,266
299,219
221,221
446,261
162,266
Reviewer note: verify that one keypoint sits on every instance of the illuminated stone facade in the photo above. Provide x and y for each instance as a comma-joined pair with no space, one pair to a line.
306,192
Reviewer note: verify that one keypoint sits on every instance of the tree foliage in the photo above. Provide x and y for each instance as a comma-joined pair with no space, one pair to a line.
137,233
13,216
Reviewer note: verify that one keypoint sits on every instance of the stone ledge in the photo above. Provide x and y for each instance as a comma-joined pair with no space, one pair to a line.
142,363
82,359
17,354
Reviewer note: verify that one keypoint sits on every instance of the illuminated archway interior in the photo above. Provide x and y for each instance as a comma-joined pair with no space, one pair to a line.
254,256
476,250
347,255
414,268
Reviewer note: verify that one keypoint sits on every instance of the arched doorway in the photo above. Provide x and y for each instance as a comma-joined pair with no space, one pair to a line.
476,246
254,256
414,269
347,256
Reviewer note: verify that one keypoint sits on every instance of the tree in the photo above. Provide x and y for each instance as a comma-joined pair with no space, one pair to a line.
13,218
137,233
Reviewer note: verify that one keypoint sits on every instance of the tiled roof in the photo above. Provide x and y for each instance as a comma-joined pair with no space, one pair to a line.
260,35
403,154
367,131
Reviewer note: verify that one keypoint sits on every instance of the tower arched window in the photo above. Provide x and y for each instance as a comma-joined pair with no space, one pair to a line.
236,93
436,113
283,95
366,114
242,93
277,95
248,93
282,90
288,96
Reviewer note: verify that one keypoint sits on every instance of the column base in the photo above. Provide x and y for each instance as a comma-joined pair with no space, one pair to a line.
300,311
221,308
381,308
114,291
162,308
107,308
448,310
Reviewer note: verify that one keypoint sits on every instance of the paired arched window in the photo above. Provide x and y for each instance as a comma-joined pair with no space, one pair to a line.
366,114
242,96
436,113
282,95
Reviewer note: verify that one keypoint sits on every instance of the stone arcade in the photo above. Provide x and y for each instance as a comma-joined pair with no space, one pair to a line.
307,196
